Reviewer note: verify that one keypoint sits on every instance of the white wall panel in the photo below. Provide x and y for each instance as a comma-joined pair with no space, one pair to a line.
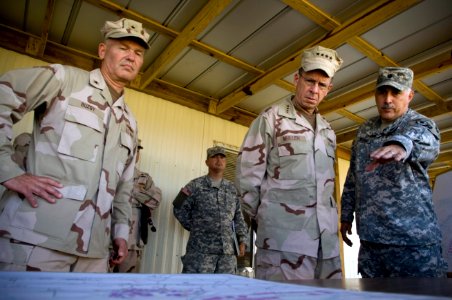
10,60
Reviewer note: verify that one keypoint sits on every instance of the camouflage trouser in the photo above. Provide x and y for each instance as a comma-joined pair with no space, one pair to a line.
18,256
379,260
281,266
209,263
131,264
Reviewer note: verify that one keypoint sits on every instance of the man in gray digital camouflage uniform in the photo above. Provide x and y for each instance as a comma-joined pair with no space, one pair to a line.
209,207
146,197
285,175
387,186
61,214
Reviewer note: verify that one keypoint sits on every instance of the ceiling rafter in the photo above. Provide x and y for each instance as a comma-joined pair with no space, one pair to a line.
444,157
161,29
435,64
196,25
36,46
438,63
438,171
331,40
345,31
195,44
367,49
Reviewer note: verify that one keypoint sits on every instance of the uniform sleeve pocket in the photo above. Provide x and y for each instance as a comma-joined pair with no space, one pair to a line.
127,142
330,150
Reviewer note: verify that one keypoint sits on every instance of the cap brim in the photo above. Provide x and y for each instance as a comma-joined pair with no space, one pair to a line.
318,65
133,37
393,84
219,153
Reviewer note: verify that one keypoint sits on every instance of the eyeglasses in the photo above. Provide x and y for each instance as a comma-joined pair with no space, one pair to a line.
311,83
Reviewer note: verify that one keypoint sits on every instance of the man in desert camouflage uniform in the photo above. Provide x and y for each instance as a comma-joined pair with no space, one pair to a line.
388,189
146,197
209,207
62,213
285,175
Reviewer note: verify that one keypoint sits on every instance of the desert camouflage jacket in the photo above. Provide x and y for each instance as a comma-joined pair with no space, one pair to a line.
393,203
81,139
285,175
208,213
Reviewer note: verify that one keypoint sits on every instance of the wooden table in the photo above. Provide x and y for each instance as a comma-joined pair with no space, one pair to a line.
415,286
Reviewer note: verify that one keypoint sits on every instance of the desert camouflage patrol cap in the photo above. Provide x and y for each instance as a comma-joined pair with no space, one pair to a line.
126,28
322,58
215,150
22,140
398,77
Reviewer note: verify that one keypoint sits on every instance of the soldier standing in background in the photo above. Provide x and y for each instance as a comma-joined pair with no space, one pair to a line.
146,198
209,207
62,213
285,175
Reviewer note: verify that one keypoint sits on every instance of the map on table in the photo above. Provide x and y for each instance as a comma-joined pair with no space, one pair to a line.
89,286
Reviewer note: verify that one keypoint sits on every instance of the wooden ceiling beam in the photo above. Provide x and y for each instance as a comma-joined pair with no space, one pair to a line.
351,116
36,46
433,172
16,40
444,157
342,152
127,13
263,81
438,63
195,44
331,40
384,61
196,25
161,29
446,136
360,44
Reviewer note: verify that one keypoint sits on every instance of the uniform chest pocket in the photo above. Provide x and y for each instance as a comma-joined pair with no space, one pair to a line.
294,160
83,131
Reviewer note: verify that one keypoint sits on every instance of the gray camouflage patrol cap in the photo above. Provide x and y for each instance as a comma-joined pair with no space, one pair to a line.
126,28
214,151
321,58
398,77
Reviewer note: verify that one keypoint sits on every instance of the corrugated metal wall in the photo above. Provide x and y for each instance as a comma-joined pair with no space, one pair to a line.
175,139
